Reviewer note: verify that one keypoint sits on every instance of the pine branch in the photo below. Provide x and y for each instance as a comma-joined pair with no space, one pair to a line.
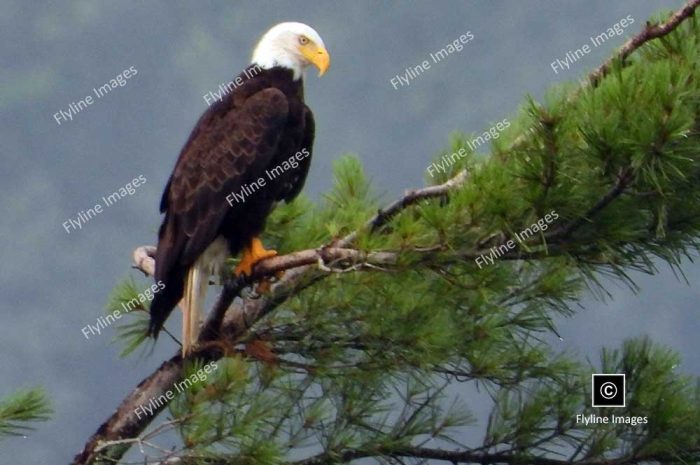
472,457
19,410
236,320
650,32
232,322
409,198
338,259
625,177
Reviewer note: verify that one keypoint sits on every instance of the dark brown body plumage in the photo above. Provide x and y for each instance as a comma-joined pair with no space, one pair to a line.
256,127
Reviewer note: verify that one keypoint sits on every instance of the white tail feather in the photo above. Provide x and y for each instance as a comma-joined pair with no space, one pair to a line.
209,263
195,293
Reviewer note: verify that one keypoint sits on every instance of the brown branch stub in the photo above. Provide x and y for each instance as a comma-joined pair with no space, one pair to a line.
144,259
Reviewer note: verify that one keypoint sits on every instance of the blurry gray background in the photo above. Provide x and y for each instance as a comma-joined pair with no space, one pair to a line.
53,283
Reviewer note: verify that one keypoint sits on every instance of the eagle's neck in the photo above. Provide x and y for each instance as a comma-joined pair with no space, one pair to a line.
268,55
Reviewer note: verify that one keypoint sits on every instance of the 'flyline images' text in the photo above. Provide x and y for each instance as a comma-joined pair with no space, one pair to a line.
120,80
413,72
571,57
83,216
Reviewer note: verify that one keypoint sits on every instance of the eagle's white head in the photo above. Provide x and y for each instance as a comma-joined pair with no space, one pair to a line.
294,46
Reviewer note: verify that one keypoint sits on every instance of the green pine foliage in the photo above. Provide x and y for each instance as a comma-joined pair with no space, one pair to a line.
19,410
367,362
130,331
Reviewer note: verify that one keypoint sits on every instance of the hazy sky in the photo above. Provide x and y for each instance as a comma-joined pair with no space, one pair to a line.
55,282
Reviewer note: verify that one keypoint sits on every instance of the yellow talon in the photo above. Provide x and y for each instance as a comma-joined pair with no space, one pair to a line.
252,254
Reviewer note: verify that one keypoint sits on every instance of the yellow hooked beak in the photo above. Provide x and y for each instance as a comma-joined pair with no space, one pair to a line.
318,56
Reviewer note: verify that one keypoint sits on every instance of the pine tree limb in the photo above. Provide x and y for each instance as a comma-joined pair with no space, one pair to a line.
650,32
624,178
344,257
237,320
484,458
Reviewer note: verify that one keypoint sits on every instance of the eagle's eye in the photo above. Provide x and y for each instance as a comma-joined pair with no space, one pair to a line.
303,40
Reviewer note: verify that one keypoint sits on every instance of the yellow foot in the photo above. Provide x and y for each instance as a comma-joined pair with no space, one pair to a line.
252,254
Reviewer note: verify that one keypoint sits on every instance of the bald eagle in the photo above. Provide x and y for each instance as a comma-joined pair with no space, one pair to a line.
214,203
